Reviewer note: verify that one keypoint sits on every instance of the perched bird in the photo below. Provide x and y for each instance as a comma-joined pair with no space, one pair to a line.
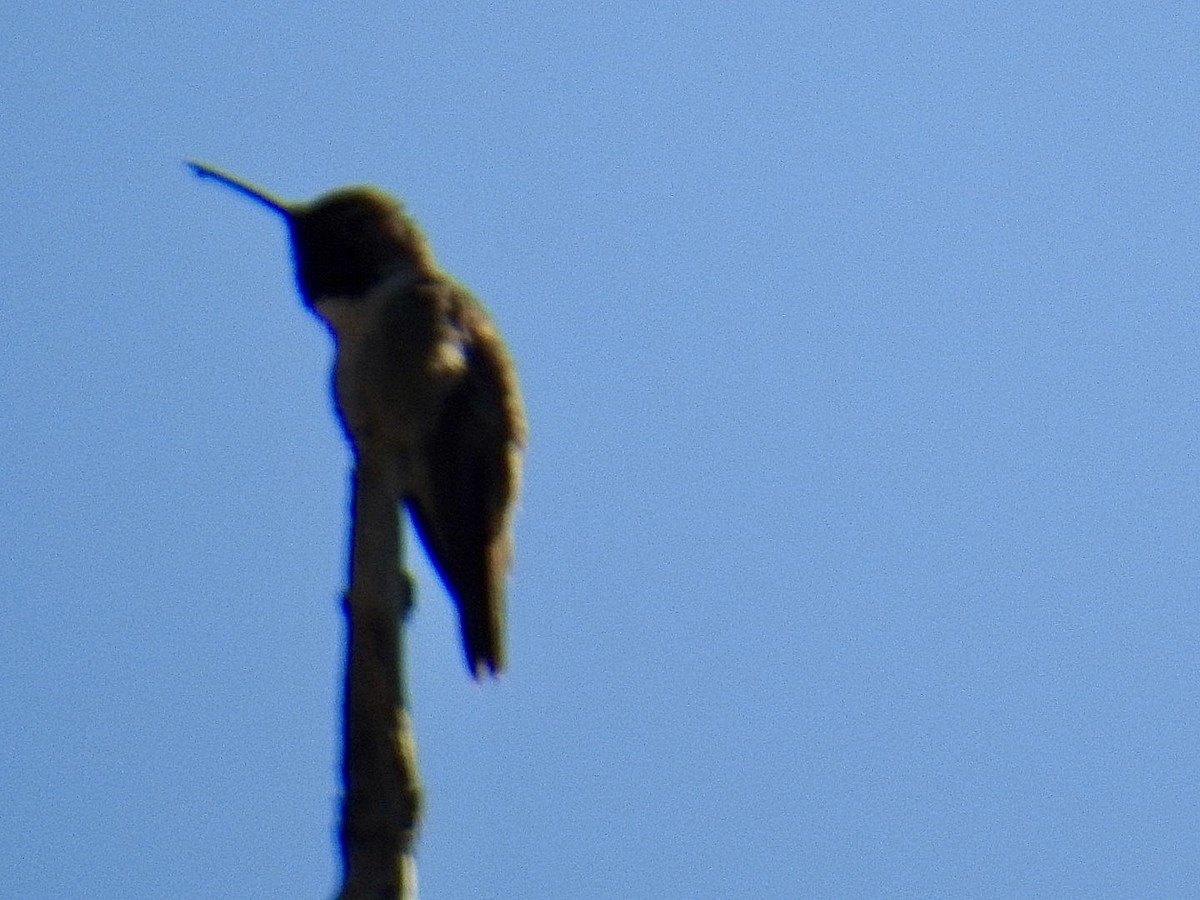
424,388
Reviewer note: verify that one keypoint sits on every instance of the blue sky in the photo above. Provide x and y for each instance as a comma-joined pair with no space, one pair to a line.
857,555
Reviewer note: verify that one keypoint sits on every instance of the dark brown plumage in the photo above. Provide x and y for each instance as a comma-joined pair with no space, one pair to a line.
424,387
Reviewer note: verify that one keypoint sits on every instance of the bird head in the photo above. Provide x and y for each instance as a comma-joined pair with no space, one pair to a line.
345,242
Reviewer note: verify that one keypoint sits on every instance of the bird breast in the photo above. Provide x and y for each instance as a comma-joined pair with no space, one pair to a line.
399,354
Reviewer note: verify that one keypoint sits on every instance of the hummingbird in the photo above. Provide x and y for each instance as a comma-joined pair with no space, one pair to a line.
423,385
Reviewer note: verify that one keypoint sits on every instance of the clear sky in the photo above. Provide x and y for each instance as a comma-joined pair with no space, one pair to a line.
858,550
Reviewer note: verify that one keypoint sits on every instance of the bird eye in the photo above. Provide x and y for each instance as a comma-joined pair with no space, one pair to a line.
357,224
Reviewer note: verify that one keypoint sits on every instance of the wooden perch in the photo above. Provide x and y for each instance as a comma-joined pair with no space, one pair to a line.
381,803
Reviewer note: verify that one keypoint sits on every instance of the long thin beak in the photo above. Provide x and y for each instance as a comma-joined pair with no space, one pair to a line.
242,187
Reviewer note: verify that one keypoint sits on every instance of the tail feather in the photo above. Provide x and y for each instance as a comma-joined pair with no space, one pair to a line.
482,621
477,593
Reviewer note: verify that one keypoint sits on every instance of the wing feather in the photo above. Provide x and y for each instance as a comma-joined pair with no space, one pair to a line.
463,512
